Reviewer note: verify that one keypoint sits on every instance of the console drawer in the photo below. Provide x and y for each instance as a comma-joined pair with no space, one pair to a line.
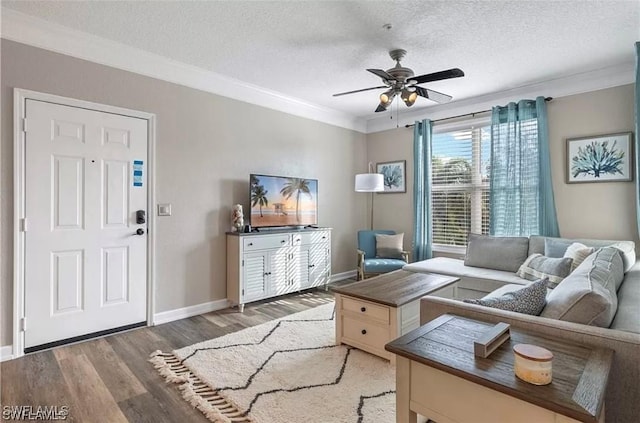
366,309
264,242
312,237
365,333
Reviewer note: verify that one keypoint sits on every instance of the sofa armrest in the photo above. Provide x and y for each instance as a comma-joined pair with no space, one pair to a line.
623,392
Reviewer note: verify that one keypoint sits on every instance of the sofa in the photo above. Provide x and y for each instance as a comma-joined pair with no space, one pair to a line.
617,326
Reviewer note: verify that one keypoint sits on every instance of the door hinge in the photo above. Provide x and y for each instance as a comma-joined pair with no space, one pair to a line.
24,124
23,223
243,262
243,292
23,324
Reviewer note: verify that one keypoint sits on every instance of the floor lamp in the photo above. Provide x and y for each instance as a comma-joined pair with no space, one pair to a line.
370,182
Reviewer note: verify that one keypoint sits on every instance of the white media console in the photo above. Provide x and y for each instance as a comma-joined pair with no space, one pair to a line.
267,264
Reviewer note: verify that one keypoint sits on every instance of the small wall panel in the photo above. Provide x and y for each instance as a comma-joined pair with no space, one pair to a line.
115,275
115,175
67,281
68,192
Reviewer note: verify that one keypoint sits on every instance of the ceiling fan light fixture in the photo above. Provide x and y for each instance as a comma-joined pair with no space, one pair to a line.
387,97
409,97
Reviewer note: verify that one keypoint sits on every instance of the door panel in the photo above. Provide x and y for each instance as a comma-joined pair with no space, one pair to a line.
85,269
255,276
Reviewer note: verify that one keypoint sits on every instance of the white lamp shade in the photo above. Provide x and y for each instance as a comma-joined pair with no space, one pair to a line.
369,182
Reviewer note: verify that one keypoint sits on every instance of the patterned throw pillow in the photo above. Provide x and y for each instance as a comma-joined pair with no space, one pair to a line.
537,266
578,252
529,300
389,246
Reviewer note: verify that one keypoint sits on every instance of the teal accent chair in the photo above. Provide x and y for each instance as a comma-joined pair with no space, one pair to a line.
368,263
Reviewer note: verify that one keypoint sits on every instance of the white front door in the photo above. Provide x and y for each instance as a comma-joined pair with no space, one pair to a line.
85,254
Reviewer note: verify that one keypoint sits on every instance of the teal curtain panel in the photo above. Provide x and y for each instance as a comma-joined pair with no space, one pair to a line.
422,215
521,191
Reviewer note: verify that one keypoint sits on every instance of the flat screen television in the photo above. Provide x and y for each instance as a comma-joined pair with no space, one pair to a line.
283,201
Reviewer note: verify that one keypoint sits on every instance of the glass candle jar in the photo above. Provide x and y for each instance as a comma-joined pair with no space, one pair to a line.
533,364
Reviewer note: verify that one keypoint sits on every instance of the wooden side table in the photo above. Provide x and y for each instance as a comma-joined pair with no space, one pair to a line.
438,376
374,311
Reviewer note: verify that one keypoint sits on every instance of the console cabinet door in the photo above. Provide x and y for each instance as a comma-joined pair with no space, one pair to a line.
302,267
255,276
318,267
279,280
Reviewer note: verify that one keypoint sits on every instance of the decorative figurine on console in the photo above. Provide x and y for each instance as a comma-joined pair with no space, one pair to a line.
237,218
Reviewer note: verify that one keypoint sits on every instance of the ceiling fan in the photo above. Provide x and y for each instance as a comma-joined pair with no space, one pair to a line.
400,80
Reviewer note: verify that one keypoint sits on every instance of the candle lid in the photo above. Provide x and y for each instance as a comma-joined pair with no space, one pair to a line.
533,352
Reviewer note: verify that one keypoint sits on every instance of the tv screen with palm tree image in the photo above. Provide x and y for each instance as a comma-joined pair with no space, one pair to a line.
283,201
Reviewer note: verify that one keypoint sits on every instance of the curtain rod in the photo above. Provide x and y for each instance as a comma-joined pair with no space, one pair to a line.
409,125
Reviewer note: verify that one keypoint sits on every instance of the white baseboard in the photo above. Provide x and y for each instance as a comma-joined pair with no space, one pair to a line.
183,313
6,353
344,275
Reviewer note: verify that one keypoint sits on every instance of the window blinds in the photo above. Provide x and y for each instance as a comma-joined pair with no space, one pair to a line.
460,184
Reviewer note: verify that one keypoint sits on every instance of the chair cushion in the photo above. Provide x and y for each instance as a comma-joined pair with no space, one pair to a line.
499,253
528,300
537,266
367,241
389,246
382,265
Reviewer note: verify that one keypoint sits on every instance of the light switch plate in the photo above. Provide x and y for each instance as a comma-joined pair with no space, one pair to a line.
164,209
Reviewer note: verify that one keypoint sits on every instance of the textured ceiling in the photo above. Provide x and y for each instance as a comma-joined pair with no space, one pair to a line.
312,49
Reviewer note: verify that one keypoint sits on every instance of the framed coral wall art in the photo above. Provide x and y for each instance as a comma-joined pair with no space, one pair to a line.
395,176
602,158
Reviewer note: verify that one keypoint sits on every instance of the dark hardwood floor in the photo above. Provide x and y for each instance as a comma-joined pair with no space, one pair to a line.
110,380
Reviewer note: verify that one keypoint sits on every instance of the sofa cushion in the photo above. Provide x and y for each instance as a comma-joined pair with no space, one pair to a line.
578,252
537,266
627,248
588,295
555,247
528,300
499,253
389,246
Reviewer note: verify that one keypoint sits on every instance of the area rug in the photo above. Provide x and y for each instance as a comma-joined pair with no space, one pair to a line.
285,371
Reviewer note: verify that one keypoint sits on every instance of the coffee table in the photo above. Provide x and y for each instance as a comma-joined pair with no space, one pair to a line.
375,311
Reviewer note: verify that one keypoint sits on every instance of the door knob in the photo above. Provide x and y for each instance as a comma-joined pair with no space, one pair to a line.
140,231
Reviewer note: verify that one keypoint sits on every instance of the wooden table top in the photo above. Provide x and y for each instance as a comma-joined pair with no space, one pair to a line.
580,373
396,288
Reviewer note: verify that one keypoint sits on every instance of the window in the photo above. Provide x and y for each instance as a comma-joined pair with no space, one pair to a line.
460,184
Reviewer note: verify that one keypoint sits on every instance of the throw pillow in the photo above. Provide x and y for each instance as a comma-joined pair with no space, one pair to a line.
537,266
528,300
389,246
498,253
578,252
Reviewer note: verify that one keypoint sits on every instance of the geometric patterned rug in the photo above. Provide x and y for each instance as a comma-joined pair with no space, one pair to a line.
283,371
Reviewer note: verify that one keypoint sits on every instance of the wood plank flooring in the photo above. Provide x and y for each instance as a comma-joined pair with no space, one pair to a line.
110,380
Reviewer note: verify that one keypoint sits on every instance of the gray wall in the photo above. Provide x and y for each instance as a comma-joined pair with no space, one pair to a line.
206,147
596,210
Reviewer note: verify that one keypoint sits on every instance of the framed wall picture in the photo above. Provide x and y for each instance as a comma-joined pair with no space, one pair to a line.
395,176
600,158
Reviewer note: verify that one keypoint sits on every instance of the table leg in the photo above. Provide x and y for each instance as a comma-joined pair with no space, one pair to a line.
403,387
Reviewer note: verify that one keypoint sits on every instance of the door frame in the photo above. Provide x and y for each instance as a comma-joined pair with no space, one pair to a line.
20,97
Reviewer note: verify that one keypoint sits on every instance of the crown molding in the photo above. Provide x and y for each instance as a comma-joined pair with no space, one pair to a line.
599,79
26,29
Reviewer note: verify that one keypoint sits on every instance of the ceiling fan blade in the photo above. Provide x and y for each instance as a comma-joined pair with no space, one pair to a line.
437,76
436,96
380,108
382,74
357,91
